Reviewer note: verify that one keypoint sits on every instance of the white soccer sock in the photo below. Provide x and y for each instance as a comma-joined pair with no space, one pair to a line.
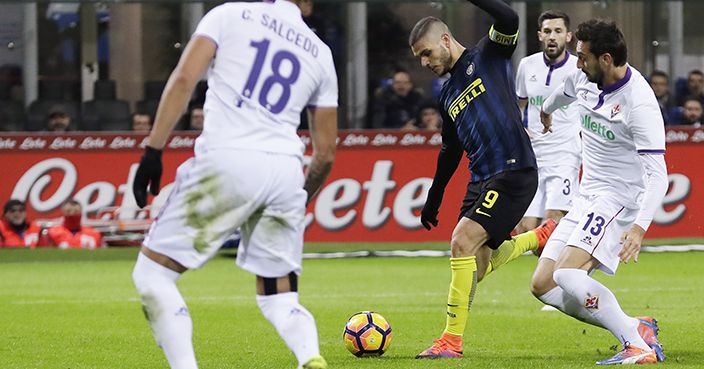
605,307
166,311
569,305
293,322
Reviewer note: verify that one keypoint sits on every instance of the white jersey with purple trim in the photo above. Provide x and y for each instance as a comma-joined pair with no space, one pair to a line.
618,122
536,79
268,67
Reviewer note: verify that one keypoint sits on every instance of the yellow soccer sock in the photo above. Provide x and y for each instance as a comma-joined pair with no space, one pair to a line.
512,249
462,288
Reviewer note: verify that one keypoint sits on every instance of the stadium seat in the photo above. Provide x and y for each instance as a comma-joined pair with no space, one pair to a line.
676,116
5,90
39,109
681,87
105,112
152,95
52,93
12,115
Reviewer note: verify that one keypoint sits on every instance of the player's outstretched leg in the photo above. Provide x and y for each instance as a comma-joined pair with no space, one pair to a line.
533,240
604,307
296,326
459,300
166,311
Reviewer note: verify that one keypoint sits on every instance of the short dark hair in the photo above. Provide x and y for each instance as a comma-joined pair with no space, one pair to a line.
659,73
695,71
554,14
11,203
421,29
692,98
604,37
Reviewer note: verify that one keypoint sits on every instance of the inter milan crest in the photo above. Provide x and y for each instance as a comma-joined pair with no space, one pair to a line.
533,79
470,69
592,302
615,110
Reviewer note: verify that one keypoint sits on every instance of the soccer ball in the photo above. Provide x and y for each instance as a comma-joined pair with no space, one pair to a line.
367,334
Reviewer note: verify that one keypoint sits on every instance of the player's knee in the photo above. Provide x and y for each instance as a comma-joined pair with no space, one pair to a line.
541,282
462,246
537,286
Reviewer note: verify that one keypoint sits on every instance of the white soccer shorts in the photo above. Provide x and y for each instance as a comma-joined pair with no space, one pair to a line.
557,188
595,224
225,189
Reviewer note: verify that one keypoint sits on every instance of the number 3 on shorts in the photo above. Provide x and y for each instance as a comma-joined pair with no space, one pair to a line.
489,201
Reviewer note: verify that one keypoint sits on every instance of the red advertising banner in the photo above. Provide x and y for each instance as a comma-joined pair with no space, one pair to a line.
374,193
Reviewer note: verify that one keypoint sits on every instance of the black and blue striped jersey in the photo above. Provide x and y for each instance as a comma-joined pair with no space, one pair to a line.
481,113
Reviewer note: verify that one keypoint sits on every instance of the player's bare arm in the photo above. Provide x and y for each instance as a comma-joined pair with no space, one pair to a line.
631,240
193,63
522,104
546,119
324,138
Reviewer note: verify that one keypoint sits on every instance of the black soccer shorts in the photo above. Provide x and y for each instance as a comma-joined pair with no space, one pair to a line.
499,202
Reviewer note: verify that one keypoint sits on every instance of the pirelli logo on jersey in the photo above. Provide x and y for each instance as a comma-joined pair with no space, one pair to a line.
475,89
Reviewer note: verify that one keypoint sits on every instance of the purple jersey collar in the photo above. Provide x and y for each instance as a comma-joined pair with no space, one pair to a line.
612,87
556,65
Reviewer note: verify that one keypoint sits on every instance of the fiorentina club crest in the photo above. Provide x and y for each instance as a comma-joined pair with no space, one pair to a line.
533,79
584,94
615,110
591,302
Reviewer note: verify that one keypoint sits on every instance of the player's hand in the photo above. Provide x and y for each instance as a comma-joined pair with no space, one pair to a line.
429,215
631,240
546,119
149,170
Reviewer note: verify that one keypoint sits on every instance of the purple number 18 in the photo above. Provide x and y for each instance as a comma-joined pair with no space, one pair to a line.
276,78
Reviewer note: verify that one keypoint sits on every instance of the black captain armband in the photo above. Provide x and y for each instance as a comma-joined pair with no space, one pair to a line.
502,39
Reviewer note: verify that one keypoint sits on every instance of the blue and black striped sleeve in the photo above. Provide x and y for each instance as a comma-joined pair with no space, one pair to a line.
448,160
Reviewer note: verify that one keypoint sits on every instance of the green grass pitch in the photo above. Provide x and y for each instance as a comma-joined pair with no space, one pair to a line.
78,309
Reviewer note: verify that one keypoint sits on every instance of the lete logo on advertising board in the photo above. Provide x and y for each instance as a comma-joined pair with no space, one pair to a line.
333,206
374,193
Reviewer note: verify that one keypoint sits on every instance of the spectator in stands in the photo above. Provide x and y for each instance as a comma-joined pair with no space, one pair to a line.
695,87
141,122
58,119
692,112
197,117
659,84
396,106
430,118
70,234
15,230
